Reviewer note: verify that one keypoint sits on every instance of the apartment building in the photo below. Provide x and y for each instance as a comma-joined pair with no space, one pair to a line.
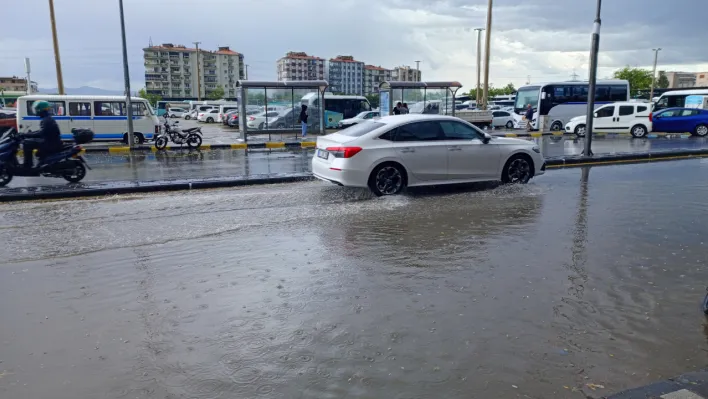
300,66
345,75
16,84
373,77
405,74
176,71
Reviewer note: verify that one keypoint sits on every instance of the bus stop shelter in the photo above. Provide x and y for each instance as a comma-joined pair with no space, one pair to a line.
421,97
267,107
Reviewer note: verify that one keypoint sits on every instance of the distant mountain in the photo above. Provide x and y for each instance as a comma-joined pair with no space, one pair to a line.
86,91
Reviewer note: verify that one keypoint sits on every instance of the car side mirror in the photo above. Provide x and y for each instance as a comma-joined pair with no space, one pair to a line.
595,115
486,138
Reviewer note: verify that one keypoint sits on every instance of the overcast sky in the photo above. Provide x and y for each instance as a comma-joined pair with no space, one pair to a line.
540,38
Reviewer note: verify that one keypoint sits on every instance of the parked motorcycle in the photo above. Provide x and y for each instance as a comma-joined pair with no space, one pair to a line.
192,136
67,163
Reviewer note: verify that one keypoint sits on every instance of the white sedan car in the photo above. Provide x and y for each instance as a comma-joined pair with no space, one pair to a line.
503,119
362,116
208,116
175,112
394,152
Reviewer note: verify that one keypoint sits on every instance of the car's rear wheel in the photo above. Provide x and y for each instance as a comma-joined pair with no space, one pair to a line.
701,130
187,117
639,131
580,130
517,170
509,125
556,126
210,120
387,179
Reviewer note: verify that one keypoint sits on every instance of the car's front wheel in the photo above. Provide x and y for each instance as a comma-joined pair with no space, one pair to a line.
387,179
517,170
580,130
701,130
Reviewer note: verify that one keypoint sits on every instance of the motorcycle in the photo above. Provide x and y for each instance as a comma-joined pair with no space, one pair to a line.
192,136
66,163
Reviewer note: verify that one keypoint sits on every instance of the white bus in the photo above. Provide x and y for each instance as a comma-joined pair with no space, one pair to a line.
676,98
336,107
106,116
562,101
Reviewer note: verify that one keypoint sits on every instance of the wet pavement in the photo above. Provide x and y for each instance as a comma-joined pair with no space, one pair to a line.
218,163
584,282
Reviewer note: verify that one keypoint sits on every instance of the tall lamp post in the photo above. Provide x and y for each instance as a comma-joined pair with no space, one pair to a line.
479,61
487,43
57,59
126,77
653,74
594,50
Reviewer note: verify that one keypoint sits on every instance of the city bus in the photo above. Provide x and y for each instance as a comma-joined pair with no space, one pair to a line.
561,101
336,107
676,98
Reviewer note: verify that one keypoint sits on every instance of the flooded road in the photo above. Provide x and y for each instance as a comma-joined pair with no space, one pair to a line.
584,276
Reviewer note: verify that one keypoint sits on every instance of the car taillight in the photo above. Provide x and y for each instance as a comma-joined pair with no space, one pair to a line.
651,117
343,152
250,118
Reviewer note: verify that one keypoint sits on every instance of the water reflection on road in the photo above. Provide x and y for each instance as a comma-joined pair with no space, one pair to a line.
313,291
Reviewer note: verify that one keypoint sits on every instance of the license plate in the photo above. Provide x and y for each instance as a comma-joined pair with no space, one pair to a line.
323,154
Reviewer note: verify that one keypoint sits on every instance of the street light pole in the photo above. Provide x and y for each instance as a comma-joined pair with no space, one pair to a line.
199,75
595,48
246,71
653,74
487,43
57,59
479,62
126,76
417,69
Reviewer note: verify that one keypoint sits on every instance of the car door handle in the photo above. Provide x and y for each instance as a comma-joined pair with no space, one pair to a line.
404,150
455,148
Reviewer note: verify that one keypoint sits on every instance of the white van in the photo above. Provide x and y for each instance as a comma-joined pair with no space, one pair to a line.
106,116
223,109
619,117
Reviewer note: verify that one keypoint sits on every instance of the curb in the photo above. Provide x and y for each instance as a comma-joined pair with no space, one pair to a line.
207,147
36,193
621,158
687,386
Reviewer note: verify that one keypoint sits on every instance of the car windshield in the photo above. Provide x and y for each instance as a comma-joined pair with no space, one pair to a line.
361,115
361,129
526,96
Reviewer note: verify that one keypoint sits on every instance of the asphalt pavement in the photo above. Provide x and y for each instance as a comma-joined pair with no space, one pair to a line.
582,283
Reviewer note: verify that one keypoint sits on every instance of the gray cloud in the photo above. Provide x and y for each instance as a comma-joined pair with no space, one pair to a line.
541,38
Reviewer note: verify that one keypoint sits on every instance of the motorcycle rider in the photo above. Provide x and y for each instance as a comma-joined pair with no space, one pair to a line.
47,140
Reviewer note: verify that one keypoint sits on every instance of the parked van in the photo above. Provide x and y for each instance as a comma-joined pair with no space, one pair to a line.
106,116
619,117
223,109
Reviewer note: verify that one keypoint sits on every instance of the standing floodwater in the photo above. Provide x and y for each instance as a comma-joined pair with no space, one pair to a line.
313,291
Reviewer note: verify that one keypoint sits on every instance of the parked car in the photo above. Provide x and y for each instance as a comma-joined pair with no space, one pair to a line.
191,114
175,112
8,119
208,116
681,120
362,116
261,120
225,118
619,117
503,119
394,152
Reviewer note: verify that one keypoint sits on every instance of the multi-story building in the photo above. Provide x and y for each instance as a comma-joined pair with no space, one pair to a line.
171,71
345,75
300,66
702,79
679,80
405,74
17,84
373,77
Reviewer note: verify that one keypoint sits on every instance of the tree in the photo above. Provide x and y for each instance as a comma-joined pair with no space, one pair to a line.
152,98
663,81
216,94
639,79
374,100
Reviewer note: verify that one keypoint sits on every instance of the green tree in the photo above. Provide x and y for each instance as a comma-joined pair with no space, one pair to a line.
639,79
152,98
216,94
663,81
509,89
374,100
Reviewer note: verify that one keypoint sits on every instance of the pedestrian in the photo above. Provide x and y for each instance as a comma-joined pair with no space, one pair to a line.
303,120
397,108
529,118
404,109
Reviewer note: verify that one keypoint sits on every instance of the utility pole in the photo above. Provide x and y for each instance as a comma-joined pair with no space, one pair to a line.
57,59
417,68
199,75
246,71
653,74
29,79
487,43
574,76
528,79
595,48
479,63
126,76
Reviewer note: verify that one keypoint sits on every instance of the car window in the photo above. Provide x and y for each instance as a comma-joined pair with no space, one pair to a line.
57,108
503,113
669,113
626,110
272,114
458,131
419,131
361,129
495,114
605,112
641,108
80,109
688,112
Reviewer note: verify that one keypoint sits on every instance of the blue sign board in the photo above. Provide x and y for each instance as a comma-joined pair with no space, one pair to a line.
384,103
